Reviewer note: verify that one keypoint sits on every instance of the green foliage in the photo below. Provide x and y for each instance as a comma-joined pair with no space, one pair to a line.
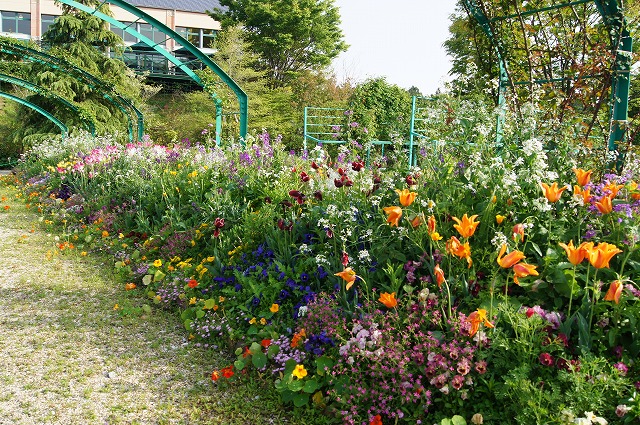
289,36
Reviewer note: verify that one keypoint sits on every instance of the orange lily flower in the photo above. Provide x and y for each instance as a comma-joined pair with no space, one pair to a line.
417,221
510,259
523,270
518,230
431,224
614,292
348,275
406,197
389,300
476,318
604,205
394,214
467,226
575,254
439,274
582,176
600,255
454,247
585,193
552,193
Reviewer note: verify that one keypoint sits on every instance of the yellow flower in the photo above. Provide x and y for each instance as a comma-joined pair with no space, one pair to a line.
299,372
116,307
406,197
129,286
105,234
467,226
157,263
274,308
435,236
552,193
253,321
500,218
192,300
394,215
263,321
389,300
83,254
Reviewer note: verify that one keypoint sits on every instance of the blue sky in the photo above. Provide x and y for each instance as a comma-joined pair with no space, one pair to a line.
400,40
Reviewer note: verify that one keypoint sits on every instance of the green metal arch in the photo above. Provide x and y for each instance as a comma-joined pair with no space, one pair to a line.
41,90
240,94
10,47
621,46
63,128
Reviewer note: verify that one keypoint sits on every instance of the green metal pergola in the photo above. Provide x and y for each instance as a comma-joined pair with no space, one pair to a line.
90,125
107,91
63,128
176,61
621,42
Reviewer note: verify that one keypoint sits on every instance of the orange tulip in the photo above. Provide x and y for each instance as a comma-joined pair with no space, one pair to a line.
582,176
439,274
585,193
633,188
518,230
575,254
454,247
406,197
523,270
600,255
389,300
604,205
612,189
417,221
394,214
348,275
552,193
476,318
467,226
614,292
510,259
431,224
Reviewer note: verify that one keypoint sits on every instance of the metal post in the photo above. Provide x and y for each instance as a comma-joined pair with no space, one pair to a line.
304,140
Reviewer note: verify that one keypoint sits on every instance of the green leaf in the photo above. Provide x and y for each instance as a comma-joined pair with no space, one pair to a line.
146,280
146,308
259,360
255,348
323,363
310,386
584,335
273,350
135,255
199,314
300,400
253,329
458,420
296,385
158,276
239,364
210,303
187,324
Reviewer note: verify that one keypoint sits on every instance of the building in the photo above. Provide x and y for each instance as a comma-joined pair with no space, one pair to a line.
29,19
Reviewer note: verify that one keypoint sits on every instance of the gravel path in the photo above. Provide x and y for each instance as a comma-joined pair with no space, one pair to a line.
67,357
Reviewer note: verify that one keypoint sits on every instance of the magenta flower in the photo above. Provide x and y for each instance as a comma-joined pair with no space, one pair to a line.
546,359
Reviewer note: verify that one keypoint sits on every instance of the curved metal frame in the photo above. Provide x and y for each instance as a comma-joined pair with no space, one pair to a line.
240,94
41,90
63,128
80,75
621,46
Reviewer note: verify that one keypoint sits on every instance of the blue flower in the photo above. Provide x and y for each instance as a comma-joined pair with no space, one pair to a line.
304,277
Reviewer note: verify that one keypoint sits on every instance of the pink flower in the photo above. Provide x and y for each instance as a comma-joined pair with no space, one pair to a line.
481,367
622,368
457,382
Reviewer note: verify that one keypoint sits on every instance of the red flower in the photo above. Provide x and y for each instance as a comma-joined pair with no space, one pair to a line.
218,223
215,375
265,343
546,359
305,177
227,372
192,283
376,420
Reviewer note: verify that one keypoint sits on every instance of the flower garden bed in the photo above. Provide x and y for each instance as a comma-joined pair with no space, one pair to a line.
477,288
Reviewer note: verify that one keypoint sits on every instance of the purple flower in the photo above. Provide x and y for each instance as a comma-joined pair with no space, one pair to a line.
622,368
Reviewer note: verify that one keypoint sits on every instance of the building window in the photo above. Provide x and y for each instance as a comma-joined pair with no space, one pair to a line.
208,38
47,20
128,38
191,34
16,22
152,33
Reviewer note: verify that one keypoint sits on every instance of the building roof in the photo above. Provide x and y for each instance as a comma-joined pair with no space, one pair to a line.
200,6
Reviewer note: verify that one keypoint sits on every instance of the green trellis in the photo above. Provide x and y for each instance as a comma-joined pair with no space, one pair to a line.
63,128
176,61
89,124
612,17
11,47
